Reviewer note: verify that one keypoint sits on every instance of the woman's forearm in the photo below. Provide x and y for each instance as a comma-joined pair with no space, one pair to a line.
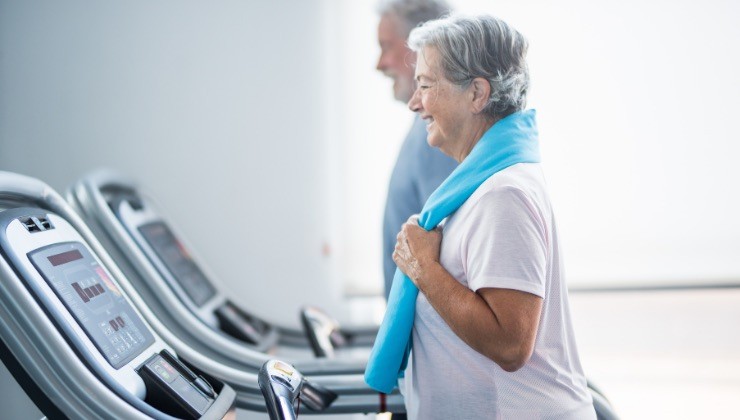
501,324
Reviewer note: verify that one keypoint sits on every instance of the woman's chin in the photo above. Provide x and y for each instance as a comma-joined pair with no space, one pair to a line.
433,140
437,145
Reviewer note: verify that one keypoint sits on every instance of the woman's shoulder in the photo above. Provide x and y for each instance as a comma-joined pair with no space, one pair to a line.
518,189
511,196
524,179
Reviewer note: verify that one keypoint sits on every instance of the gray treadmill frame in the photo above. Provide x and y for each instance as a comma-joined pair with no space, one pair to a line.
354,395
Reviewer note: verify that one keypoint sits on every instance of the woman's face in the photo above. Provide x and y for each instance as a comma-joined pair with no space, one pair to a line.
443,105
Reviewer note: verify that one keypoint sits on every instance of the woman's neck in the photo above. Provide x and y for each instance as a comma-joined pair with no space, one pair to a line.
478,127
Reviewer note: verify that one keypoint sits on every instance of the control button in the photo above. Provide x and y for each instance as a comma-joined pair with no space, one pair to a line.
204,386
283,381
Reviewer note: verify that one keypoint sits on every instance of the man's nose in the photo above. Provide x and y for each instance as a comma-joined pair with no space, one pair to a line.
381,66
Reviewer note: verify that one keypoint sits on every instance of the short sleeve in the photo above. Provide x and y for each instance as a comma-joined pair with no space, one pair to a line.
507,243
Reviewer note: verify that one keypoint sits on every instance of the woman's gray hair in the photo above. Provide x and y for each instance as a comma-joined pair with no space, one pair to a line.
411,13
480,46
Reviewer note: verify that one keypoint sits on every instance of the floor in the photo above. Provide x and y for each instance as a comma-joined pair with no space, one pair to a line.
662,354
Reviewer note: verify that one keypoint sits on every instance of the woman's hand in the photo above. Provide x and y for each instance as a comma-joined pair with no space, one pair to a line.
417,250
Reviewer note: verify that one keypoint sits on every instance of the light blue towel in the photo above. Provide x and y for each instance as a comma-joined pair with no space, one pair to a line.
511,140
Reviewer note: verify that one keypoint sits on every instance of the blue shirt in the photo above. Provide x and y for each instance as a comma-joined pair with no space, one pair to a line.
419,170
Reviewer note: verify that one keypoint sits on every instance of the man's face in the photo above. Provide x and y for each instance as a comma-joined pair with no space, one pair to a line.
396,60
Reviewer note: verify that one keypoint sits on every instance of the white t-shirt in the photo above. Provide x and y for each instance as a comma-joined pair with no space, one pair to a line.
503,236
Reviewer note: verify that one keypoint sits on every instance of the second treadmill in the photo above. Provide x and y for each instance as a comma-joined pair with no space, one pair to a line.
151,253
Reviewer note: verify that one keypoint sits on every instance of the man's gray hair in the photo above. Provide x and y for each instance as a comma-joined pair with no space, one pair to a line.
412,13
480,46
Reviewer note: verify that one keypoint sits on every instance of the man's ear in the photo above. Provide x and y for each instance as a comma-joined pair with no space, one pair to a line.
481,91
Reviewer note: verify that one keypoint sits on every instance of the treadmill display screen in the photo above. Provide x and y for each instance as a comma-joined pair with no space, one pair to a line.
178,261
94,300
65,257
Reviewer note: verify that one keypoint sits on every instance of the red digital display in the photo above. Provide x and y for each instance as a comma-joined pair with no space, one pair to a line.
65,257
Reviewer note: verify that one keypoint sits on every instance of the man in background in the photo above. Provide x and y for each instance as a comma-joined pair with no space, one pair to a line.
419,168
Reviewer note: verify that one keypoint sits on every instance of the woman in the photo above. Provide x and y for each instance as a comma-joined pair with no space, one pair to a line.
492,334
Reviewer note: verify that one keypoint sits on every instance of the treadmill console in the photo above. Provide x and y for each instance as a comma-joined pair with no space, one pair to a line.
94,301
97,318
191,279
178,261
181,273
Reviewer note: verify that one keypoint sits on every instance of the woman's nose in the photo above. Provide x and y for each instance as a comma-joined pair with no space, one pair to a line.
414,102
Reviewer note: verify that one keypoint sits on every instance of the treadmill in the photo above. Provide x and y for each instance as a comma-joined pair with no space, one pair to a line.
32,207
71,336
153,255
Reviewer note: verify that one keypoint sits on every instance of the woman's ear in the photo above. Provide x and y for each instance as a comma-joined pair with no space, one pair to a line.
481,90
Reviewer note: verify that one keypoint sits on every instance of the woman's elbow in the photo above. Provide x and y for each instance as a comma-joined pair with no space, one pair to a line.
512,365
515,358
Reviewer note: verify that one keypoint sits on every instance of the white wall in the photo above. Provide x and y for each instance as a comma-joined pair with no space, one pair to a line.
637,104
215,107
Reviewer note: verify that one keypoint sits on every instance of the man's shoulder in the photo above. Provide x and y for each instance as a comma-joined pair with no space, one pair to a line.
416,137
